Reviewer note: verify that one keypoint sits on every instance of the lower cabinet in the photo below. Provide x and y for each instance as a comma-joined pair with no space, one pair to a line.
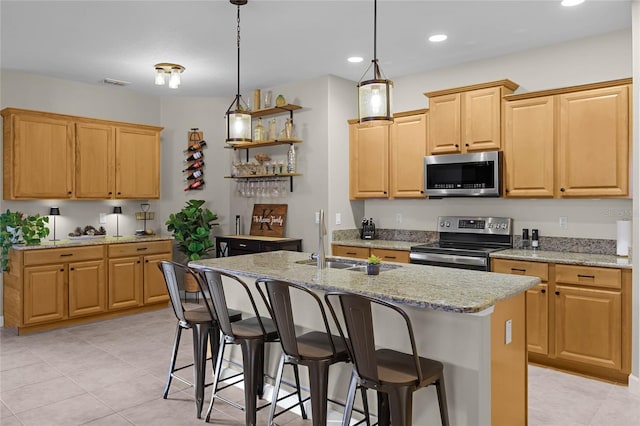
52,287
579,318
389,255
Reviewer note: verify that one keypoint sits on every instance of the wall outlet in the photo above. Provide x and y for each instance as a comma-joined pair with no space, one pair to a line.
507,332
398,217
564,222
103,218
338,219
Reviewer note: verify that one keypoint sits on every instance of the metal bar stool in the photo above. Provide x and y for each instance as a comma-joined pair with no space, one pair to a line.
317,350
204,326
250,334
395,375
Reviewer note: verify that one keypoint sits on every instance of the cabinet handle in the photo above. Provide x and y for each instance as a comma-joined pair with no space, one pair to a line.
119,193
350,252
385,192
591,277
242,245
138,261
146,260
456,145
561,189
66,255
389,257
466,144
110,193
73,269
61,270
506,190
142,248
518,270
69,192
543,291
557,293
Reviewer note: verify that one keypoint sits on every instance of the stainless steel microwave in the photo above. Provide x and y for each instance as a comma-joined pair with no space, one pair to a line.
478,174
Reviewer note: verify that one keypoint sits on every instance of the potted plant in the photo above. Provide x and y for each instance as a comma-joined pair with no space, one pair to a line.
16,228
191,228
373,265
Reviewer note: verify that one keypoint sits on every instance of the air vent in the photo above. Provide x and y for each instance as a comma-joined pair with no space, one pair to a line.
115,82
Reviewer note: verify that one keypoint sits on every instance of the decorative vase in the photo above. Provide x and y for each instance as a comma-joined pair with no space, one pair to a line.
373,268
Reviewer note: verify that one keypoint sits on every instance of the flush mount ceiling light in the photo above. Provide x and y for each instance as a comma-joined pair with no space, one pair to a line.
569,3
173,70
355,59
238,116
437,38
374,96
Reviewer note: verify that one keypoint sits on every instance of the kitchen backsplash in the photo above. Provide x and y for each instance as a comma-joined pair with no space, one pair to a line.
565,244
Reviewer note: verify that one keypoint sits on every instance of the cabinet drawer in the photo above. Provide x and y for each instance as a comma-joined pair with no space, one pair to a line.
57,255
521,267
135,249
589,276
349,251
250,246
391,255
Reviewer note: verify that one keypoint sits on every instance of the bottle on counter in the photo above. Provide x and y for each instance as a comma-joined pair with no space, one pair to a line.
525,244
534,239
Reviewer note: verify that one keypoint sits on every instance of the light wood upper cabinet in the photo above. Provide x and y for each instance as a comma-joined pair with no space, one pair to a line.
368,161
95,163
593,146
37,156
137,163
529,147
55,156
408,146
467,119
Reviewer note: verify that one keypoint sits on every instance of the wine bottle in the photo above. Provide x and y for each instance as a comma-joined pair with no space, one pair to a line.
195,166
195,156
197,146
198,184
195,175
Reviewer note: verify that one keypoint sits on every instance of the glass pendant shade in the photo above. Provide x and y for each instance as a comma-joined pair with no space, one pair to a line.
159,77
238,126
374,100
174,79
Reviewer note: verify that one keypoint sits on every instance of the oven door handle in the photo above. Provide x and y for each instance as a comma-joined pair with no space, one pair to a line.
448,258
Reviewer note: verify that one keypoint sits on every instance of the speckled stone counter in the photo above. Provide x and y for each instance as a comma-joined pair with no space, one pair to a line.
430,287
603,260
379,244
45,244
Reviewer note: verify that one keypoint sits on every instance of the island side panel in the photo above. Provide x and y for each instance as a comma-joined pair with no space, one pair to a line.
509,362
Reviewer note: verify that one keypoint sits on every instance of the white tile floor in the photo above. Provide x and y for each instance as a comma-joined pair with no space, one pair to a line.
113,373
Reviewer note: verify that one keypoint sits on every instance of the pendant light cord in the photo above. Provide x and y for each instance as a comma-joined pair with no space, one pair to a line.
376,70
238,44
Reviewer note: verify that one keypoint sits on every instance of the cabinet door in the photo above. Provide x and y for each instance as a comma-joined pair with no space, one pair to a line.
529,147
391,255
368,161
537,319
87,288
588,326
408,146
125,283
42,157
95,167
594,143
444,124
481,119
44,293
137,163
154,288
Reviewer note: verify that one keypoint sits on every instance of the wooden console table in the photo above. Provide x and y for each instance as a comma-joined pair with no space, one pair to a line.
233,245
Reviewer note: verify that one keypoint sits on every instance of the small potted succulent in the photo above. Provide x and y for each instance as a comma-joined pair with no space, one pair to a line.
373,265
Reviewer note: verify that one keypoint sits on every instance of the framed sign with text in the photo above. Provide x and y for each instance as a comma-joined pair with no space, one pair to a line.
268,220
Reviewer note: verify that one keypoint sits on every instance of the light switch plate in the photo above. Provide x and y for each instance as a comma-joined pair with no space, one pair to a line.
103,218
507,332
338,219
564,222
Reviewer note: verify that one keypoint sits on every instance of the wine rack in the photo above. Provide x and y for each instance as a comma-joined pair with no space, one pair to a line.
194,171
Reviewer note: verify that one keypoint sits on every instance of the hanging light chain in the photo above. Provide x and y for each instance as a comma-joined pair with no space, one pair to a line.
238,44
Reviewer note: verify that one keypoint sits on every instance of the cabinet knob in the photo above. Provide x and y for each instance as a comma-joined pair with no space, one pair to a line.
561,189
138,261
61,270
119,193
73,269
456,145
146,261
466,144
69,192
506,190
557,293
385,192
543,291
110,193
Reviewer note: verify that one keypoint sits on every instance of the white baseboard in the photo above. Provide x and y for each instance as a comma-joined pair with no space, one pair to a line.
634,384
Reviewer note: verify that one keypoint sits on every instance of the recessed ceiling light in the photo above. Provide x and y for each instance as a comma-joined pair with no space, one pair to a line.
569,3
355,59
437,38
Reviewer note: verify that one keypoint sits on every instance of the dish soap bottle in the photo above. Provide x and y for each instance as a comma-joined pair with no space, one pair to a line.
291,159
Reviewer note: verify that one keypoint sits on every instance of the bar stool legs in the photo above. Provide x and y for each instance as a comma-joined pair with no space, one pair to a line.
172,364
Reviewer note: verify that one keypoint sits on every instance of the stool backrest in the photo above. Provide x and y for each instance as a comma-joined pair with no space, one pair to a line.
169,272
278,301
358,319
216,289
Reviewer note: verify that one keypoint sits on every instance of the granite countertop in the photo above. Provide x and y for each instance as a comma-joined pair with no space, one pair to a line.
430,287
587,259
46,244
379,244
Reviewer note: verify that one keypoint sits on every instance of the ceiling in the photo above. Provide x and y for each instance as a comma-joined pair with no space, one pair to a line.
281,41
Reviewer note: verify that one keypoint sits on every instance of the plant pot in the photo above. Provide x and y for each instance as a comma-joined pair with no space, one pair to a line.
373,268
190,284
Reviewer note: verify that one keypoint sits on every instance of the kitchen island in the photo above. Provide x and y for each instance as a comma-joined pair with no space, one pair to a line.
473,322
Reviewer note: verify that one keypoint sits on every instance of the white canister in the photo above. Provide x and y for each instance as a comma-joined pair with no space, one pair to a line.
623,240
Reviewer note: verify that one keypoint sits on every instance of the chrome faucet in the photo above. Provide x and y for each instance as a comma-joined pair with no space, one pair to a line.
320,255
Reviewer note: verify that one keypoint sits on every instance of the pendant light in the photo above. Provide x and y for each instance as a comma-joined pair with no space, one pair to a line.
238,116
374,96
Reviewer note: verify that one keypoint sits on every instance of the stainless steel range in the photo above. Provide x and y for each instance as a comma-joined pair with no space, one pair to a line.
464,242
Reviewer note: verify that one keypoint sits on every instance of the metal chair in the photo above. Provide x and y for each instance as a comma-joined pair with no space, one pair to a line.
250,334
317,350
395,375
202,322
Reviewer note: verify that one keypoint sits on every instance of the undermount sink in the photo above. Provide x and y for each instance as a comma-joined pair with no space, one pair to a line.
349,265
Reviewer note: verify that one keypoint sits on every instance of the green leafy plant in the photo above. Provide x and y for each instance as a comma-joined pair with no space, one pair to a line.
191,227
373,260
16,228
